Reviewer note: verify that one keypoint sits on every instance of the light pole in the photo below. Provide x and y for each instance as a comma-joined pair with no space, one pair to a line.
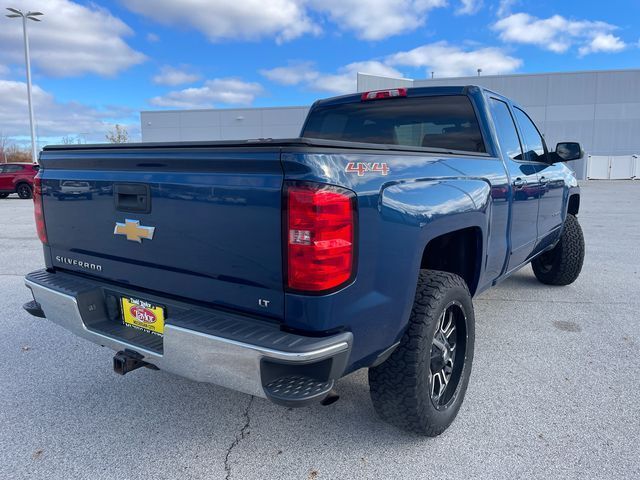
15,13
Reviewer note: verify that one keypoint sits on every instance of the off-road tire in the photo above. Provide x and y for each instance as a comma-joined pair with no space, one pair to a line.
24,191
562,264
400,387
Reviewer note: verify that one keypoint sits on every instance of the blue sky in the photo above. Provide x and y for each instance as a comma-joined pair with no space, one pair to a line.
101,62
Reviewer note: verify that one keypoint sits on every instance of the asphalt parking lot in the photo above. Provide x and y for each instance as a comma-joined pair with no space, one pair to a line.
555,391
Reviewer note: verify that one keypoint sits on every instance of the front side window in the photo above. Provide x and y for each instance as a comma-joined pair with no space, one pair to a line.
444,121
533,141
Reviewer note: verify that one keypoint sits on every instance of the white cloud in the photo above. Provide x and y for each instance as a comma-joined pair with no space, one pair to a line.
71,39
54,118
343,81
377,19
293,74
289,19
557,33
451,61
219,90
152,37
505,6
443,59
173,76
603,42
469,7
223,20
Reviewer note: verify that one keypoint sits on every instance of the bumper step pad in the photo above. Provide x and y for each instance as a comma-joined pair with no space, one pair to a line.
297,390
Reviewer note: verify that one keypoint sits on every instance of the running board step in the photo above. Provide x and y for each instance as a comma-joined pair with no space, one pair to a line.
297,390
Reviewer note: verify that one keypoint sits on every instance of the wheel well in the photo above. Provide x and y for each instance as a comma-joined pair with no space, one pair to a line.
458,252
574,204
23,182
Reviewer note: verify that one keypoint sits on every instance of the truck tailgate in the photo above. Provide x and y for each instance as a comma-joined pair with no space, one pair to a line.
214,218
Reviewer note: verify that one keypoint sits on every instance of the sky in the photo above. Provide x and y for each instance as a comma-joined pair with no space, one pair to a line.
97,63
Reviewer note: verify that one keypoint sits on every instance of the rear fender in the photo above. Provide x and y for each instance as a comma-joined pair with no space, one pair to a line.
430,208
438,204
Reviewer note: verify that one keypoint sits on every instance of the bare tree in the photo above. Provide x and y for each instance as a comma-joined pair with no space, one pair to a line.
118,134
71,140
4,144
17,154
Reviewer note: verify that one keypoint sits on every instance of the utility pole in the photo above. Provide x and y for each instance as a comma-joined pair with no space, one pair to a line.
15,13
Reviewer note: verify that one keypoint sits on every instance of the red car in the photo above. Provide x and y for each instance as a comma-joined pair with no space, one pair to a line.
17,178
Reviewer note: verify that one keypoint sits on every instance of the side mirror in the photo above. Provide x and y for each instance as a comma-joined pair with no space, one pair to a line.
567,151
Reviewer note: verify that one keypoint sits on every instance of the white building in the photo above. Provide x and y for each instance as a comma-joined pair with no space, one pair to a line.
222,124
599,109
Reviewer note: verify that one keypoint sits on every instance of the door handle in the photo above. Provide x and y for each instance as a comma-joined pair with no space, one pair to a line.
519,183
544,180
132,198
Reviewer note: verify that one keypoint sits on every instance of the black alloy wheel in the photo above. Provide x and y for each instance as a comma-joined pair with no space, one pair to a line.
446,365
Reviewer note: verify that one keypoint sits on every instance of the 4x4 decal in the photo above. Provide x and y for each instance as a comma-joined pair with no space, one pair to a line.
363,167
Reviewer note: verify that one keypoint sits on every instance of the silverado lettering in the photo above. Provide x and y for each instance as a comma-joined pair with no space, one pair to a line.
78,263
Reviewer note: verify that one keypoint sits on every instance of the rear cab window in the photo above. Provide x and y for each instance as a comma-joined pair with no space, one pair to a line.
444,121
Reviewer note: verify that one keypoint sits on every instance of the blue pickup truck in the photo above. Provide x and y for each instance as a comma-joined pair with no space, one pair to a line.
276,267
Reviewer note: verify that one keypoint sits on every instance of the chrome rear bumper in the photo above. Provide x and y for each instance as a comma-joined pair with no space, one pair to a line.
228,361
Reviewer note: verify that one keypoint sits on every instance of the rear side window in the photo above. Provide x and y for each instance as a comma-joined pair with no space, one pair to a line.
13,168
447,122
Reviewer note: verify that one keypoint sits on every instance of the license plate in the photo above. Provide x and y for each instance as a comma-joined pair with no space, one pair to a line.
144,315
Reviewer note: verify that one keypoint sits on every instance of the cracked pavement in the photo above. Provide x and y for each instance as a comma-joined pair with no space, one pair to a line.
555,389
239,437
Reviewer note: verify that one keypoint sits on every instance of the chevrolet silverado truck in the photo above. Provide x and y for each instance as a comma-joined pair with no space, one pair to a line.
276,267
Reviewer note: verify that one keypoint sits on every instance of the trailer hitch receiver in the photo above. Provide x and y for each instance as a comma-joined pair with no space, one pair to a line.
126,361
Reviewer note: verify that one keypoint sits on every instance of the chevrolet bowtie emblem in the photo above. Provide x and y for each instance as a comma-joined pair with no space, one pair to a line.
134,231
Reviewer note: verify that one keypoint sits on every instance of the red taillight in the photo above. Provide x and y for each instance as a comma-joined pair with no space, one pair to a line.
379,94
320,235
37,209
